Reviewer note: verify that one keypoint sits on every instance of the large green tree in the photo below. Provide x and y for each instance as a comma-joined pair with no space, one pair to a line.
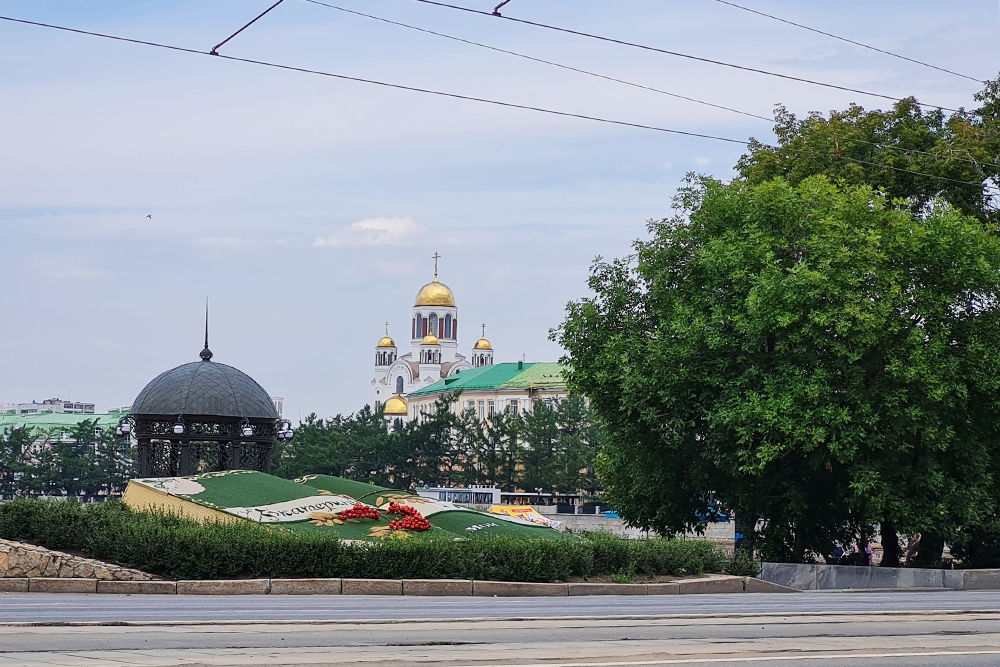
822,357
906,151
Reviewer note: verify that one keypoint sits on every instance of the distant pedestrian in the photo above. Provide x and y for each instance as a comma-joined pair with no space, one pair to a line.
837,553
912,549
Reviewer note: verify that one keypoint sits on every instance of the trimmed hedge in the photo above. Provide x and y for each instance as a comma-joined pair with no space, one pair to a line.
177,548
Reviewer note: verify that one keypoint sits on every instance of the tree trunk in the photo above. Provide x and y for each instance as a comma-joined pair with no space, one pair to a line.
890,544
929,554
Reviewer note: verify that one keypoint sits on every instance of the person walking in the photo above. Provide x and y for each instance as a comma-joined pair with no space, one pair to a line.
912,549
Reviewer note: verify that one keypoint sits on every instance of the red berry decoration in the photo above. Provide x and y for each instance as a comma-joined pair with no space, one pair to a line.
412,519
360,511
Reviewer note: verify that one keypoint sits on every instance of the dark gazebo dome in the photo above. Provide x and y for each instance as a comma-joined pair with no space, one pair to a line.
205,388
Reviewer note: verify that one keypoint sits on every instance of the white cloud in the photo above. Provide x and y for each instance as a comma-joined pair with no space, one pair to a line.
375,231
702,161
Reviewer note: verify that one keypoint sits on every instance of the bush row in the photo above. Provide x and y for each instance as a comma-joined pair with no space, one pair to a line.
177,548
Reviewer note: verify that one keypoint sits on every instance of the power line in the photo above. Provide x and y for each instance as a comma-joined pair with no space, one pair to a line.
469,98
259,16
622,81
539,60
849,41
674,53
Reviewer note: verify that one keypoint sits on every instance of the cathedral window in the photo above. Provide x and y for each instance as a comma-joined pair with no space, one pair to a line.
432,324
399,384
447,326
418,327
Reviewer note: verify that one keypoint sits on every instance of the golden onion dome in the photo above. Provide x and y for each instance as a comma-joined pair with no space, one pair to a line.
430,339
435,294
396,406
482,344
387,342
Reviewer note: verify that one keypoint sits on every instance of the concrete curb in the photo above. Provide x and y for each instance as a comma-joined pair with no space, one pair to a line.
437,586
225,587
607,589
753,585
306,587
712,585
14,585
668,588
372,587
518,589
138,587
54,585
394,587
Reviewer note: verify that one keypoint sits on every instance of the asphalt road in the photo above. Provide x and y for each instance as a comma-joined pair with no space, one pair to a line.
40,608
933,629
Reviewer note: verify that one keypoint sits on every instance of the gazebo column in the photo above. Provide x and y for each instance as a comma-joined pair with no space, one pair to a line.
237,449
185,466
144,470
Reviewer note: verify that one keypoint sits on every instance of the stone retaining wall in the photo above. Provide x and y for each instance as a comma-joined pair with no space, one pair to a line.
812,577
18,560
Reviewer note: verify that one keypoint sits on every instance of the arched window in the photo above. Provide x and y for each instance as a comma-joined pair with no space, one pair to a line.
447,326
432,324
417,327
399,384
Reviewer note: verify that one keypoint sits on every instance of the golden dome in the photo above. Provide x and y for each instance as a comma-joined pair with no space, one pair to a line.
387,342
435,294
482,344
396,406
430,339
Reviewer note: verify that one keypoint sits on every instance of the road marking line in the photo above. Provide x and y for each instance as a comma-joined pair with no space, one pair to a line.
699,661
490,619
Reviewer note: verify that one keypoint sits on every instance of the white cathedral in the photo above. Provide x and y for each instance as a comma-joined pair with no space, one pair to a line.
433,351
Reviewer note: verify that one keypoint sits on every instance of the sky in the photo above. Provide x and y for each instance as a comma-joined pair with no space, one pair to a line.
135,182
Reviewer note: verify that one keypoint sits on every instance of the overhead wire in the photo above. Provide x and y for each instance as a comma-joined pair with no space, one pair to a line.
678,54
613,79
259,17
850,41
540,60
428,91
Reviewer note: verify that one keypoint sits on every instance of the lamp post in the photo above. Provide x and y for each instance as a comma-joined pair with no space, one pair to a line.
285,432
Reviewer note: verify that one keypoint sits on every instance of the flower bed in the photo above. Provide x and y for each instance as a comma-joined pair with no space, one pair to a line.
178,548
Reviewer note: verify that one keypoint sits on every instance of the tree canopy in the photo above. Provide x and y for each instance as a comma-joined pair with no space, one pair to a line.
550,447
822,356
905,151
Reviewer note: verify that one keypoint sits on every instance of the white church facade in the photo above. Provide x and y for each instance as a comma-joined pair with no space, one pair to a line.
433,355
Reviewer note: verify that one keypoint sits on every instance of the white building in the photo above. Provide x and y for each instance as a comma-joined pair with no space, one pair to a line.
54,405
433,353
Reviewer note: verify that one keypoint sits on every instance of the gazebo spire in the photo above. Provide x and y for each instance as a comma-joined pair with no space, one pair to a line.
206,354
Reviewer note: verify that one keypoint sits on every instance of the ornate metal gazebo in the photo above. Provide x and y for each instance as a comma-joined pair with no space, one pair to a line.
204,417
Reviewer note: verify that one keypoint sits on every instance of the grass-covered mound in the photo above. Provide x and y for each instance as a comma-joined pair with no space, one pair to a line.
323,505
179,548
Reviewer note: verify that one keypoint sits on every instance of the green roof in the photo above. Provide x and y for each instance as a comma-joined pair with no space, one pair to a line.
515,375
538,376
50,420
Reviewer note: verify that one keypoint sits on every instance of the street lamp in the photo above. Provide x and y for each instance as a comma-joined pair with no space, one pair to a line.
124,426
247,429
285,431
179,427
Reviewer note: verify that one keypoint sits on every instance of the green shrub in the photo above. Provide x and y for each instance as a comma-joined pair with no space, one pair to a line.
742,564
177,548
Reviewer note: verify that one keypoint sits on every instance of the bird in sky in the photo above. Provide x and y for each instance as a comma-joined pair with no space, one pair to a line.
150,217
